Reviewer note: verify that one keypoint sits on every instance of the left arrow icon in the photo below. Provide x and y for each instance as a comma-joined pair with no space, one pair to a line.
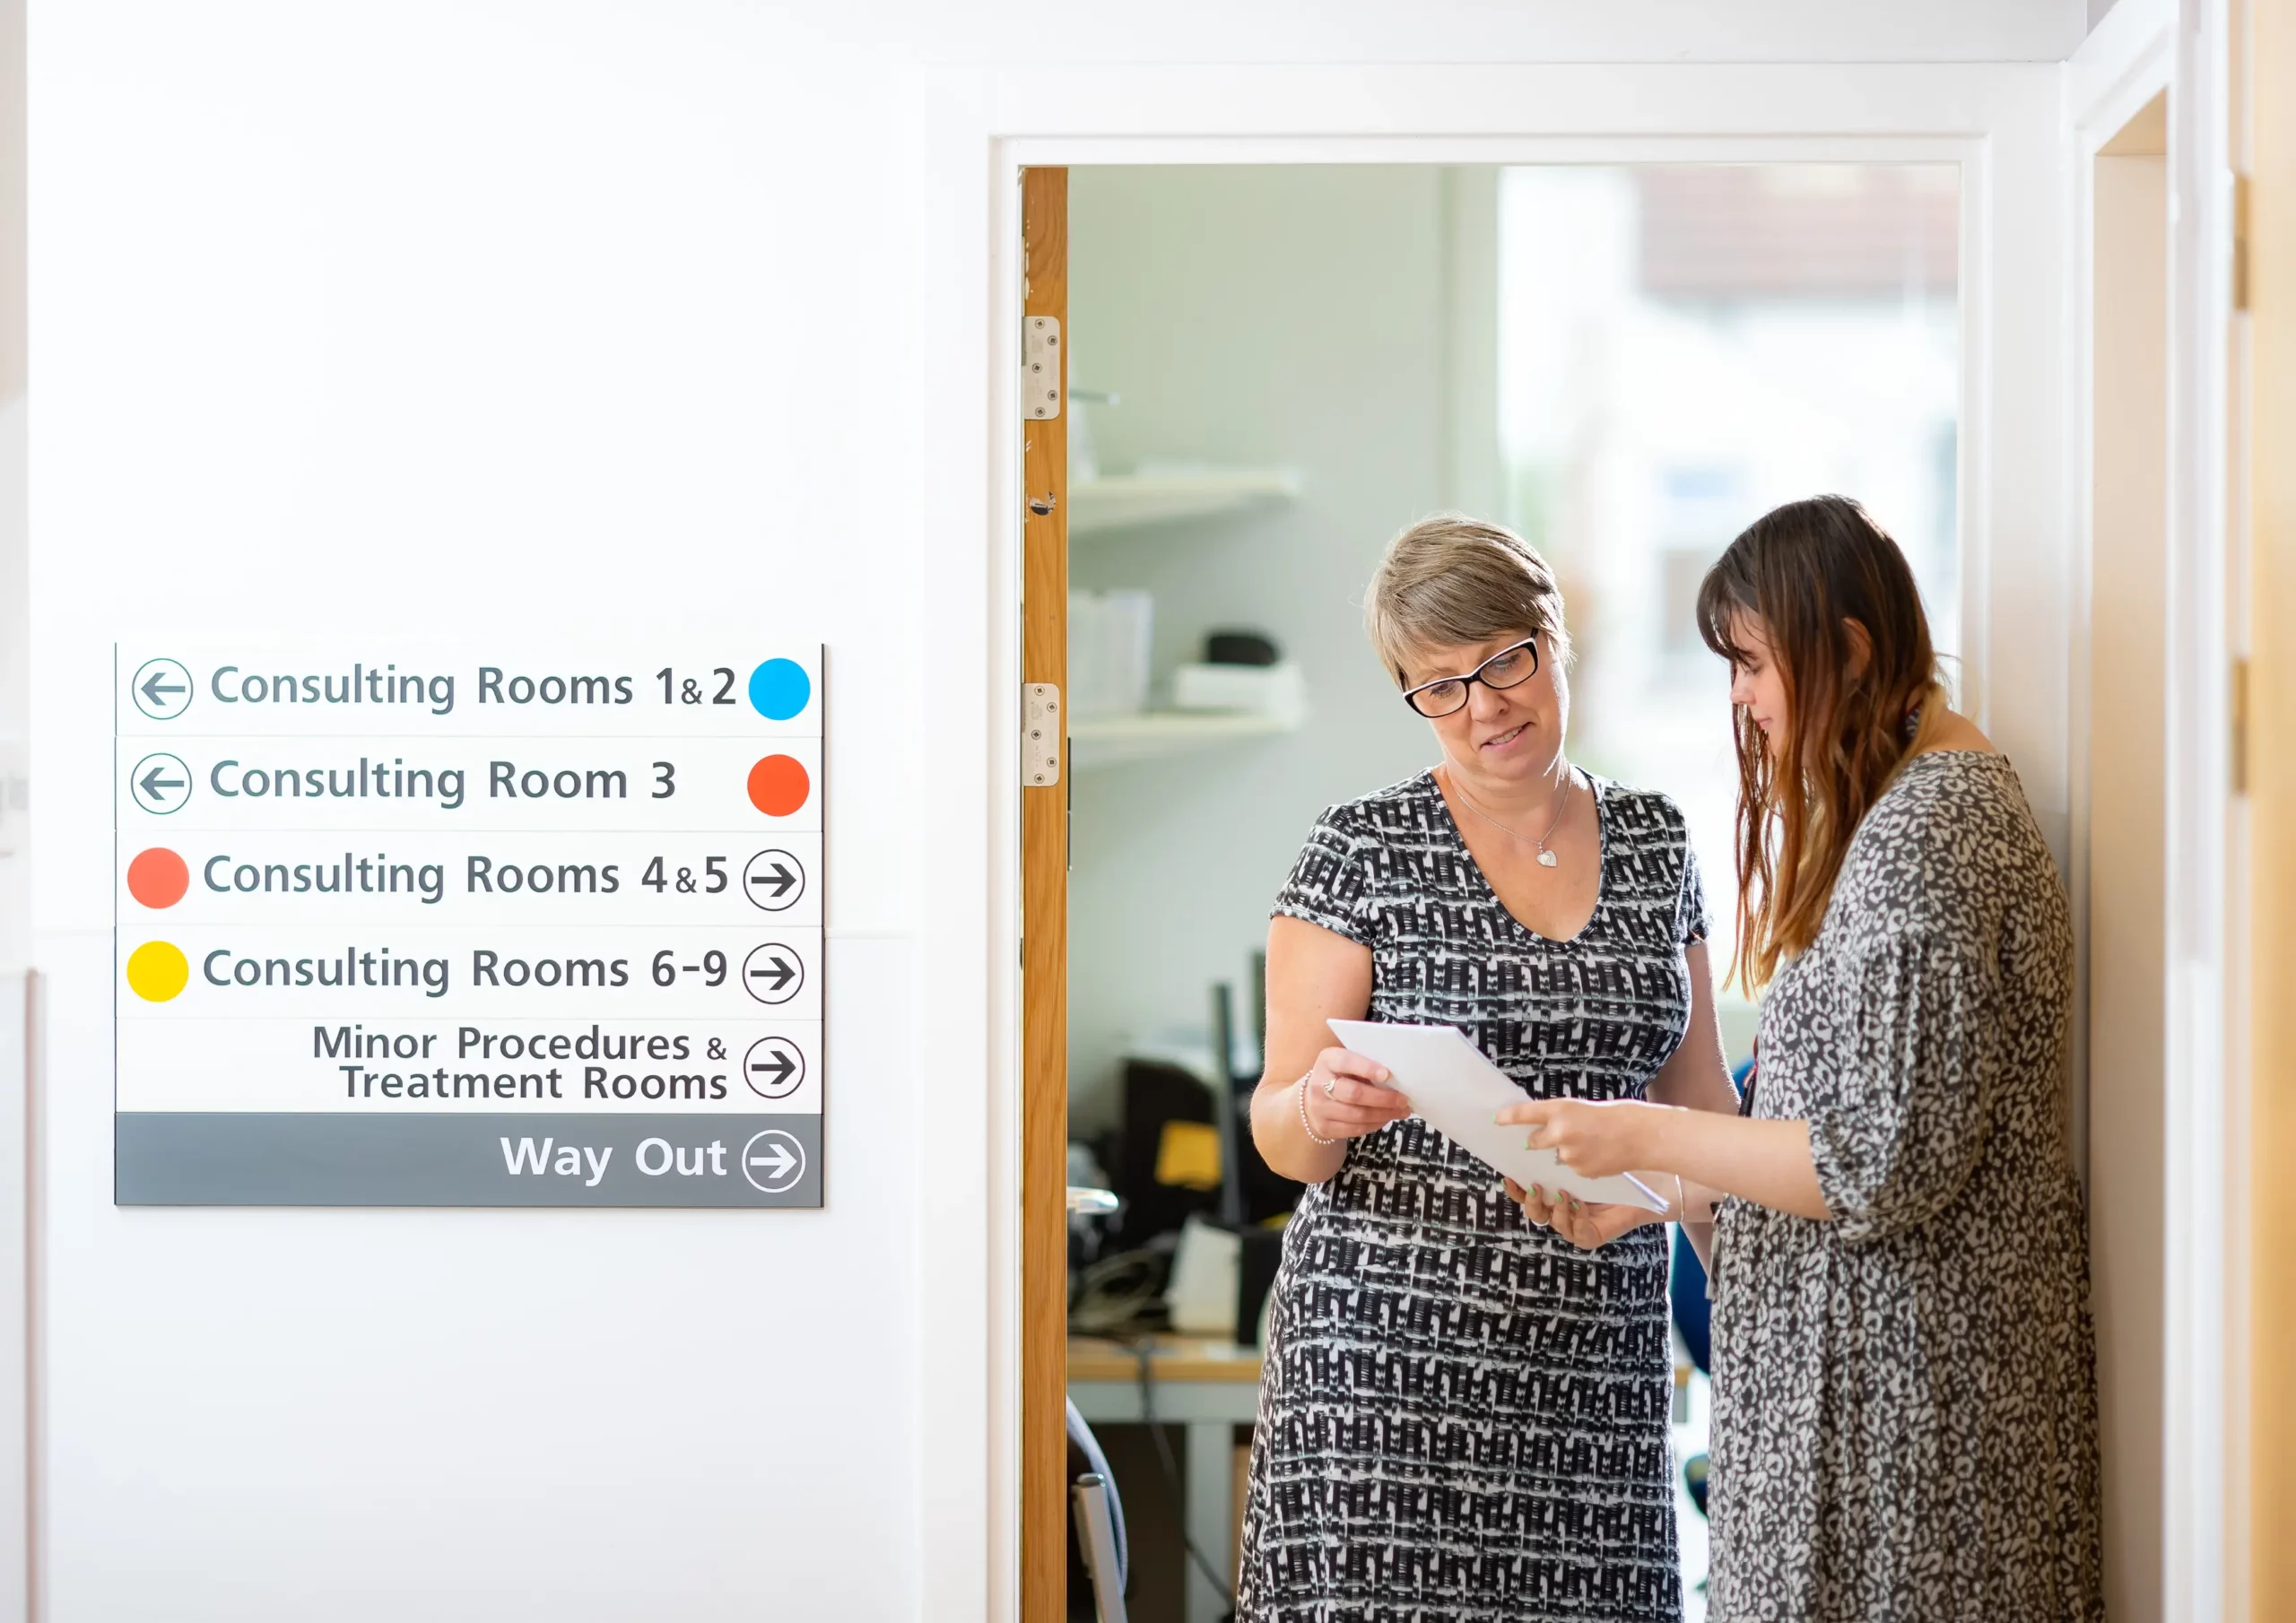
162,689
163,783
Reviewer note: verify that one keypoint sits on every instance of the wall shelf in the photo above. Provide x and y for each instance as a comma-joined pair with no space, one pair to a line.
1125,501
1111,741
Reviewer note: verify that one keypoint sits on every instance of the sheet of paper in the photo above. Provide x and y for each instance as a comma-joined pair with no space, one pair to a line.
1454,1088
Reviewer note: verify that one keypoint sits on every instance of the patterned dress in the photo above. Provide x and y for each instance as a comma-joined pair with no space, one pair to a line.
1463,1417
1905,1408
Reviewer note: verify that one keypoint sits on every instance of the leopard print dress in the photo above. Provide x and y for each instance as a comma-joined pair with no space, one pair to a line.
1905,1414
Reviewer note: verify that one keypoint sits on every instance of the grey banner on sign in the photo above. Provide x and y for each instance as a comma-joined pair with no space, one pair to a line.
262,1158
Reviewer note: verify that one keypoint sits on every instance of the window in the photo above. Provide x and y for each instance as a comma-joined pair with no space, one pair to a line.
1683,347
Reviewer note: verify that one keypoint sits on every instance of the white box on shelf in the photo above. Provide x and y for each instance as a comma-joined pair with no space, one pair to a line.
1278,689
1108,643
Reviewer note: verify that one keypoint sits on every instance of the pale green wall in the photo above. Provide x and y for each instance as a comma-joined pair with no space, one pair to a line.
1305,318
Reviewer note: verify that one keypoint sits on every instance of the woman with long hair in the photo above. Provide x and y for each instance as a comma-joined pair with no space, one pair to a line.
1904,1390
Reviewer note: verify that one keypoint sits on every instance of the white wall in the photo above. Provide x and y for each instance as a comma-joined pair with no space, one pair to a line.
476,320
1288,317
528,315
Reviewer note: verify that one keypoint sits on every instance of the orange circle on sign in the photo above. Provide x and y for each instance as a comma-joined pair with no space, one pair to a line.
778,785
158,878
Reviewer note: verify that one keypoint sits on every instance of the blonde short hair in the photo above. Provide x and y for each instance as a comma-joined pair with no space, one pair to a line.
1451,580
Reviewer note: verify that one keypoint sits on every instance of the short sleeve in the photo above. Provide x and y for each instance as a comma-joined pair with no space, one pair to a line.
1331,882
1905,1134
1690,910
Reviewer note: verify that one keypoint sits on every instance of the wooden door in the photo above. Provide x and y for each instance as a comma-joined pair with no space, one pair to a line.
1044,940
2269,748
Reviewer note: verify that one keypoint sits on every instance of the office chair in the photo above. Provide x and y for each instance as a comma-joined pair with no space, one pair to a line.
1099,1523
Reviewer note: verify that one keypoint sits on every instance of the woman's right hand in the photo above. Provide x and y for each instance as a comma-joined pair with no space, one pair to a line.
1346,1096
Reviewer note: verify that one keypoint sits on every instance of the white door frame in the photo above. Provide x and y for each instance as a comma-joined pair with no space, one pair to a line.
2129,60
2185,47
2123,66
2204,1474
2002,123
2142,47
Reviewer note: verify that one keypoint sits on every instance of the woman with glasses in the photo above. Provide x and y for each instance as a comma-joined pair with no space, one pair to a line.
1463,1413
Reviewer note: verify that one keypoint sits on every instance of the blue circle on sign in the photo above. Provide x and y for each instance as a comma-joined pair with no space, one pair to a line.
780,688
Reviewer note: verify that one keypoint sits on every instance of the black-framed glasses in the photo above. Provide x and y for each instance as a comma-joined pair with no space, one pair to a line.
1508,668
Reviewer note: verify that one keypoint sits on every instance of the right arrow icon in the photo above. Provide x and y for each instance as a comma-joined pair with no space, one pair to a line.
773,973
773,1067
773,1161
773,879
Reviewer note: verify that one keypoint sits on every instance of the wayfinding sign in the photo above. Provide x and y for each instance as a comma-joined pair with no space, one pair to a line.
411,926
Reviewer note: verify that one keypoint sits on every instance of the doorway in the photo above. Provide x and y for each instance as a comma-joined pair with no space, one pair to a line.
1270,369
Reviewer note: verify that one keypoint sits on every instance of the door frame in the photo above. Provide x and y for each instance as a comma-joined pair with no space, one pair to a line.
2204,1484
2123,67
2187,47
2004,123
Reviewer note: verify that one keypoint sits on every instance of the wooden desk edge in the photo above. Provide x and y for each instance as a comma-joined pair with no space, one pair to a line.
1175,1359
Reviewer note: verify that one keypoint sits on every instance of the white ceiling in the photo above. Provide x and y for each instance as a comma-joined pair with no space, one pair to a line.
1449,30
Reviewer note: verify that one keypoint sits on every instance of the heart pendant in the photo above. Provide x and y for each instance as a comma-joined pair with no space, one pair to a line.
1546,859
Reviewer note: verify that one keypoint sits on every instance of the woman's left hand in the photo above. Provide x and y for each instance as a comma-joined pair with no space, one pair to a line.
1594,1138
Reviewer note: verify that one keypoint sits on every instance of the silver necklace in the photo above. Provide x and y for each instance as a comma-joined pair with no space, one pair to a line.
1563,800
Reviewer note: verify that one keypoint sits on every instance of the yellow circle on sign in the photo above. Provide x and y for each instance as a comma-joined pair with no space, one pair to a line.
157,971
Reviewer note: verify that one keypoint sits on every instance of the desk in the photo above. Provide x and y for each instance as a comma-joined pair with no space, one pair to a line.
1205,1388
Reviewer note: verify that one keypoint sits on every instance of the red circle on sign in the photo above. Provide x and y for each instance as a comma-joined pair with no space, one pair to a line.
778,785
158,878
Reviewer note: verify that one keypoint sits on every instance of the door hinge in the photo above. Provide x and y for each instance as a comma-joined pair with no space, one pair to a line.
1040,368
1040,734
2238,743
2240,242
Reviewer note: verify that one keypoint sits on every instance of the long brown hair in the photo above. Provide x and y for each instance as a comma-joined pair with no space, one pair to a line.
1806,570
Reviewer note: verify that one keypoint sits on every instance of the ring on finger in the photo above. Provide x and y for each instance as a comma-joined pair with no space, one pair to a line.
1331,1087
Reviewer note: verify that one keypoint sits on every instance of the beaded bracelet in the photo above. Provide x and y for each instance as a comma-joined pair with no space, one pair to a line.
1304,1124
